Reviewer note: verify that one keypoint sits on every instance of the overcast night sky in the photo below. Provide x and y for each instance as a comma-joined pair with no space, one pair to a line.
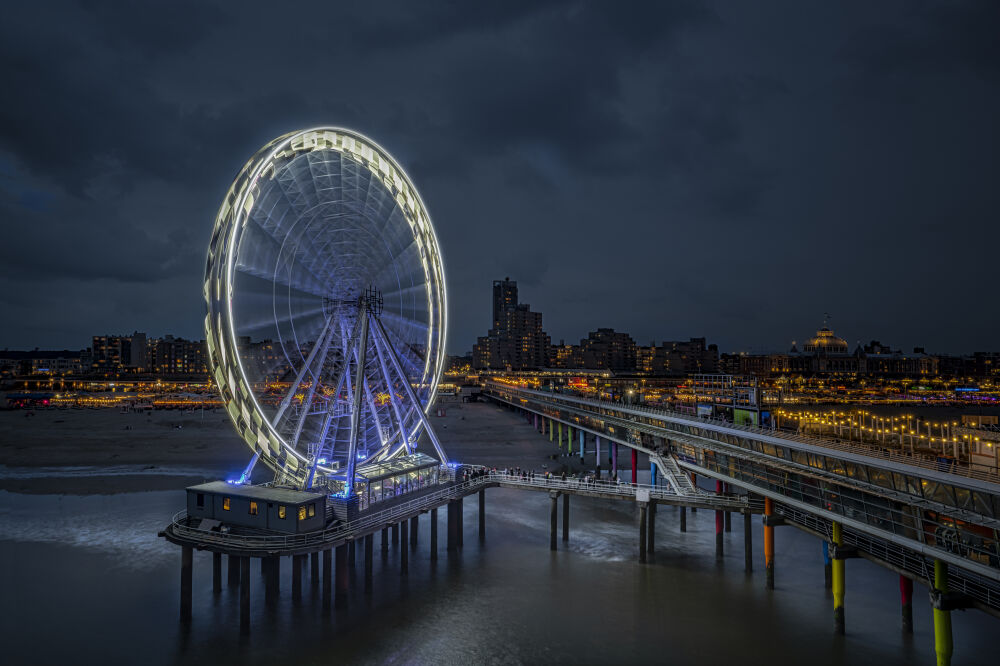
732,170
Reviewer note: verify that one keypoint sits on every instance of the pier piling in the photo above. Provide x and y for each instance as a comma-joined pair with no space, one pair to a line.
839,583
565,530
327,578
906,603
186,569
553,519
943,645
404,553
216,573
642,532
482,514
298,564
747,541
434,533
244,595
369,557
340,596
768,543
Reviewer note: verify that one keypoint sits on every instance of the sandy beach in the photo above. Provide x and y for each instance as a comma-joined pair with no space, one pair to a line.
90,451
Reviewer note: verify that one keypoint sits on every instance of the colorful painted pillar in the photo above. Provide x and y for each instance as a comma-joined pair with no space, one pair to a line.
569,439
906,602
550,430
838,581
597,444
718,524
768,542
583,443
694,482
536,421
560,434
614,459
652,474
943,645
635,466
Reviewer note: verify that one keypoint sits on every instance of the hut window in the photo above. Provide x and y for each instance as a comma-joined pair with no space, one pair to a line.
201,500
225,504
281,511
253,508
302,513
312,510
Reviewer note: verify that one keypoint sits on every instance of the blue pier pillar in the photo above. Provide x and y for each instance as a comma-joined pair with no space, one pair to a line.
652,474
597,444
583,441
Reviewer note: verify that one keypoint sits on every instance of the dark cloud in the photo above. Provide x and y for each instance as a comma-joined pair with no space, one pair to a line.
724,169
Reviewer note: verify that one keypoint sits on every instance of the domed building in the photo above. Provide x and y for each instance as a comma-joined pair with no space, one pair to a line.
826,343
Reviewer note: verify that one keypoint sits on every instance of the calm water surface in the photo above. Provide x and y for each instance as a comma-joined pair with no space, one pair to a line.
102,588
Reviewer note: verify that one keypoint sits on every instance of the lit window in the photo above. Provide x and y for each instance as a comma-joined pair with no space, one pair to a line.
312,510
302,513
225,504
281,512
253,508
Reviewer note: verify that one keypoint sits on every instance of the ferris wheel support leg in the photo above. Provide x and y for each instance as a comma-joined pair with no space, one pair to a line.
352,451
409,389
248,470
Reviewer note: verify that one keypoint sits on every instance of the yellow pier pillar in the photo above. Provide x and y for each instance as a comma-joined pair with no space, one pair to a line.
560,434
550,430
943,645
838,581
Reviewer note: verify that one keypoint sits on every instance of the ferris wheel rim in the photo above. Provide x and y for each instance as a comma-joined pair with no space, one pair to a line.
433,274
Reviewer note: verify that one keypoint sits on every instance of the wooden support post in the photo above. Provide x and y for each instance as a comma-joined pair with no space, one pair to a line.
369,556
385,540
414,525
327,578
343,577
273,568
434,533
244,595
565,517
216,573
395,534
314,569
187,565
482,514
642,531
553,519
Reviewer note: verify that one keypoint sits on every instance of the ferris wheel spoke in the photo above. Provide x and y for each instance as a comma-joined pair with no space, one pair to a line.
380,343
287,400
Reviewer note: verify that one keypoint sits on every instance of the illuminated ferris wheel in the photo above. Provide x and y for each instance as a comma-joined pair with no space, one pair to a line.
326,308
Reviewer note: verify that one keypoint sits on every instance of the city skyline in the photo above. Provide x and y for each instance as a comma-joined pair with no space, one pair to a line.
727,169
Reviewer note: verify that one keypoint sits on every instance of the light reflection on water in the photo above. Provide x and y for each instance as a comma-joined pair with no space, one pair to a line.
91,571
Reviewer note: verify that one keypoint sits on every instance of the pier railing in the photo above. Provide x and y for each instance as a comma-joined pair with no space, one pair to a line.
958,468
481,478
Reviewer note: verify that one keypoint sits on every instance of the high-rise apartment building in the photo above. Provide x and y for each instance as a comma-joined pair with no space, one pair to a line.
516,341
